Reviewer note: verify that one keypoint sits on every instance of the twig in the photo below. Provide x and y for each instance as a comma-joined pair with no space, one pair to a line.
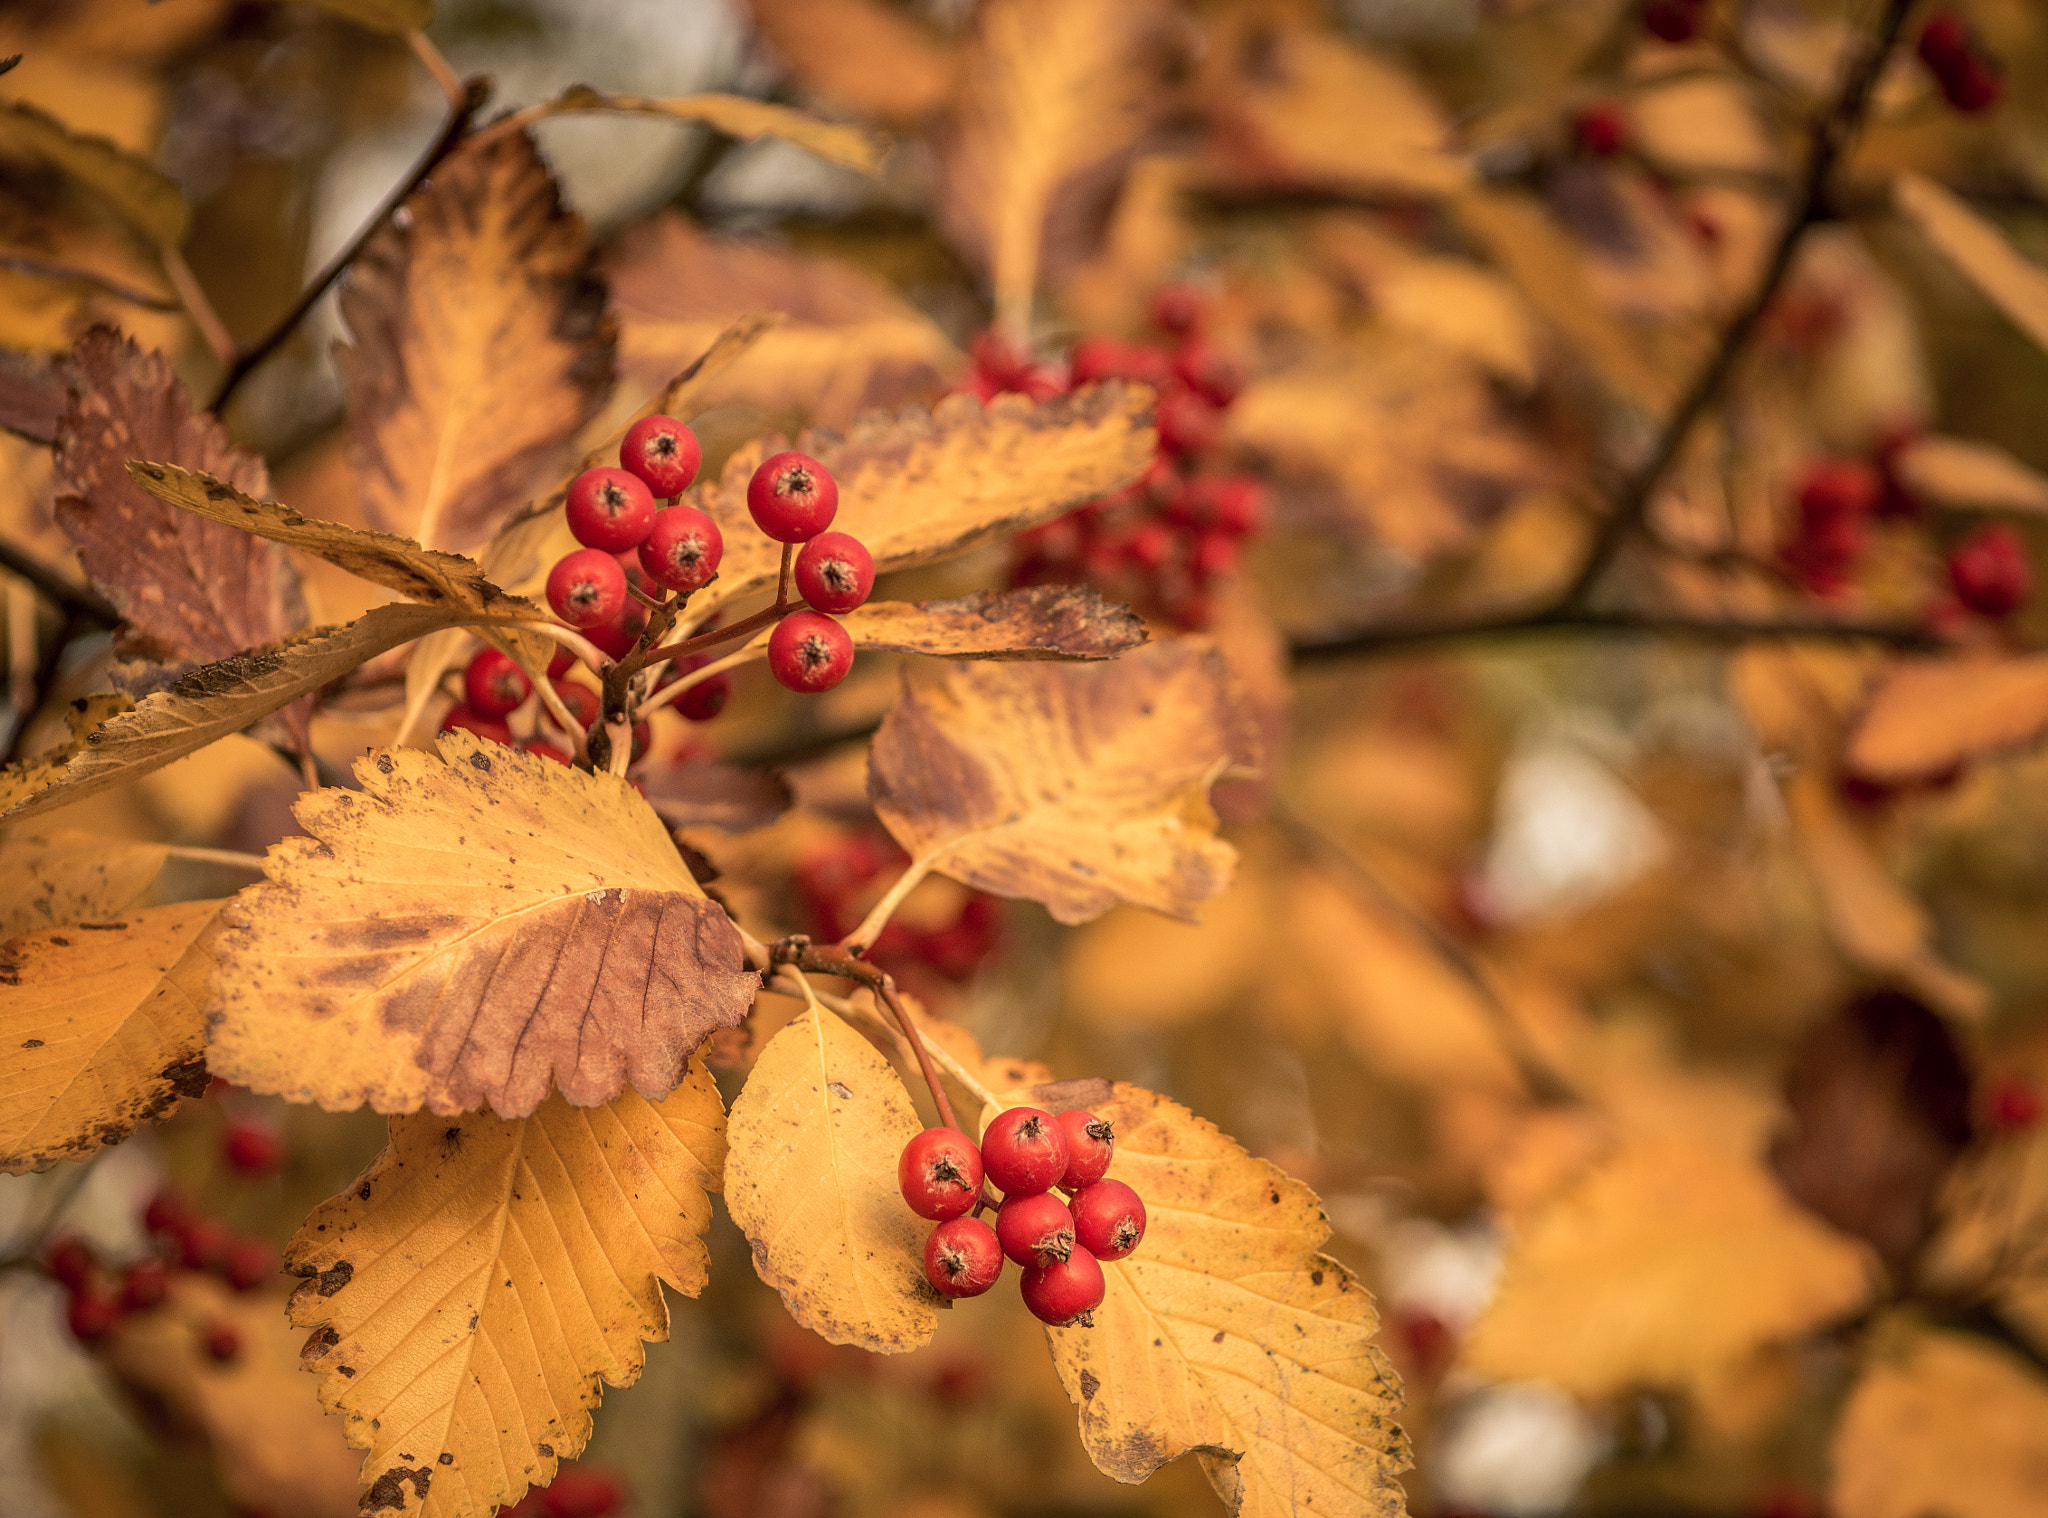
862,938
445,76
73,600
1390,636
43,268
214,856
212,329
47,662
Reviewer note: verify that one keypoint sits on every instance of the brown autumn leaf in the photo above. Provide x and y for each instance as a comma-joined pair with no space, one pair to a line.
1979,252
479,345
469,1290
811,1181
707,793
1927,715
32,395
475,926
68,876
864,56
847,342
738,116
194,590
1074,786
1229,1335
1956,471
131,187
101,1028
1037,622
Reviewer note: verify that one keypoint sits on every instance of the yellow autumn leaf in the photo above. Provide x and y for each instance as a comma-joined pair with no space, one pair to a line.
1077,786
87,715
1229,1335
735,116
1928,714
474,926
865,56
1979,252
138,192
100,1031
68,876
472,1287
1959,471
1034,623
811,1181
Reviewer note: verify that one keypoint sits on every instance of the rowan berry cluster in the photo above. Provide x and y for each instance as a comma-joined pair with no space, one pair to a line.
1164,542
1969,77
837,878
1027,1155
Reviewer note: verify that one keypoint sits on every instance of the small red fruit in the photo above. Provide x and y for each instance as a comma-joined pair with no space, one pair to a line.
682,549
835,572
1834,490
72,1261
223,1342
618,636
201,1242
706,699
663,453
562,662
494,684
1179,308
1208,373
1944,41
1091,1141
247,1263
1601,131
165,1211
2015,1106
587,587
252,1148
1674,20
1066,1293
1973,86
609,509
582,704
962,1258
1216,555
809,652
143,1285
1186,422
1150,545
549,751
1035,1229
581,1491
940,1173
792,497
472,721
1109,1219
1024,1151
1990,572
91,1315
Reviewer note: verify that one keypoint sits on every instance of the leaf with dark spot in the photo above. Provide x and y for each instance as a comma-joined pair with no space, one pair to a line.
1037,622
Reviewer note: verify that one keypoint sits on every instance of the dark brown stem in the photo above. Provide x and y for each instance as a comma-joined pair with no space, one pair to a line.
47,662
782,580
72,600
1390,636
801,952
746,627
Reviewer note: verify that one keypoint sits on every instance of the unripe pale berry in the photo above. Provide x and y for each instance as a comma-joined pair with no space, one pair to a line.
809,652
494,684
1035,1229
792,497
939,1172
1090,1144
835,572
1024,1151
663,453
962,1258
587,587
682,549
1066,1293
1109,1219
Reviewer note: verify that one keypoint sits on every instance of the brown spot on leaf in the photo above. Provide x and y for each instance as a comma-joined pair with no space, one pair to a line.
388,1490
341,1272
1090,1385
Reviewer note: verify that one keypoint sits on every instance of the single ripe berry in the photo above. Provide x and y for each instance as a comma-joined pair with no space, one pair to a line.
247,1263
663,453
2015,1106
91,1315
252,1148
1974,86
682,549
618,636
1990,572
835,572
143,1285
706,699
1065,1293
1674,20
809,652
1090,1143
72,1261
1024,1150
587,587
1207,372
609,509
201,1242
1600,131
962,1258
166,1209
223,1342
1944,41
494,684
1109,1219
562,662
1035,1229
468,719
581,1491
792,497
1150,545
1186,422
1215,555
548,751
940,1173
643,739
1835,490
1179,308
582,704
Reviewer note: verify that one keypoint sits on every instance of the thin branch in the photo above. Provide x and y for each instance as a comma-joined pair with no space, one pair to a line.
228,857
444,75
1392,636
73,600
862,938
198,306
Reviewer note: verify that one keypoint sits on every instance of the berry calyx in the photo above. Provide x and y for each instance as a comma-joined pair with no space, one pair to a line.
252,1148
1035,1230
682,549
1990,572
809,652
587,587
1090,1144
1024,1151
1066,1293
494,684
792,497
1109,1219
662,453
609,509
962,1258
835,572
940,1173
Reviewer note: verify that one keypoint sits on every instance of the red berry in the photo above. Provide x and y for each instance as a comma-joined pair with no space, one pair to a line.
582,704
562,662
1097,358
1186,422
1090,1143
939,1172
1065,1293
1035,1229
835,572
91,1315
1944,41
587,587
72,1261
809,652
682,549
166,1210
707,698
1003,365
1208,373
618,636
792,497
201,1242
1150,545
1179,308
472,721
549,751
143,1285
1836,490
663,453
252,1148
248,1263
1974,85
1601,131
581,1491
962,1258
609,509
1024,1150
1214,557
1990,572
494,684
1238,506
223,1342
1674,20
1109,1219
2015,1106
643,738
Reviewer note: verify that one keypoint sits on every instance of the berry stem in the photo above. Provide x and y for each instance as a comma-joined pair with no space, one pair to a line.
215,856
570,727
767,616
782,581
620,735
862,938
592,656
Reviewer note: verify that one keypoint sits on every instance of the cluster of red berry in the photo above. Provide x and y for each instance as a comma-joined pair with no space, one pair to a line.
1026,1153
1675,20
2014,1106
1164,541
578,1491
1969,76
833,877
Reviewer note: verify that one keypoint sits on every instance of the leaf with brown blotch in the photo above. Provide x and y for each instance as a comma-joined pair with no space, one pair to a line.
811,1181
475,926
1074,786
1979,252
394,17
87,715
213,701
479,346
102,1031
1037,622
1229,1334
136,191
68,876
735,116
1927,715
195,590
707,793
470,1290
866,57
1956,471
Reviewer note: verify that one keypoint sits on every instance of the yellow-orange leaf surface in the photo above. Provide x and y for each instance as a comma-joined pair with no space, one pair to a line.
67,876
